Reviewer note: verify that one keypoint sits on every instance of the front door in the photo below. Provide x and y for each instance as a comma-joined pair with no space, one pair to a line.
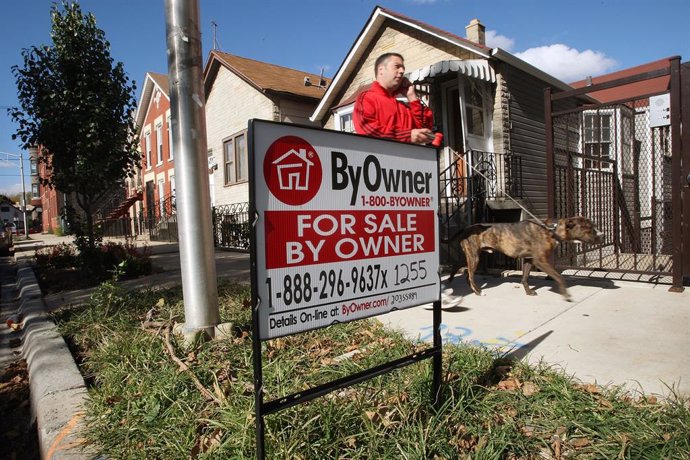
150,200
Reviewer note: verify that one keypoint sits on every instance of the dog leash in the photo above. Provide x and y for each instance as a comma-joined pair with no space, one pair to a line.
535,220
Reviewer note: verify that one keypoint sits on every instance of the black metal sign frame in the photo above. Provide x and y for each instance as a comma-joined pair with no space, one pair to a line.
263,408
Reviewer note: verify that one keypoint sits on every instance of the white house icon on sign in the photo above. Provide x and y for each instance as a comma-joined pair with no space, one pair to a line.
293,170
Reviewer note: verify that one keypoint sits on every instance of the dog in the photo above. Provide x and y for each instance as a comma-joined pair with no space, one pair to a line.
534,241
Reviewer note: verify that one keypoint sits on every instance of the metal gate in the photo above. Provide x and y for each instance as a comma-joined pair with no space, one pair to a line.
619,163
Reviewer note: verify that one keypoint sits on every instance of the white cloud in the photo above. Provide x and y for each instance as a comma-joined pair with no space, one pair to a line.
494,40
568,64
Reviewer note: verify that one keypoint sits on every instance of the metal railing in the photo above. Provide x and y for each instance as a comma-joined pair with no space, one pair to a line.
231,226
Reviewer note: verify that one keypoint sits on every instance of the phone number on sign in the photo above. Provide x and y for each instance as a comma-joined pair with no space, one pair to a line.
393,201
295,289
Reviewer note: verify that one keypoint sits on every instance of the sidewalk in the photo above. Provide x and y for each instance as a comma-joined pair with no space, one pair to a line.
613,333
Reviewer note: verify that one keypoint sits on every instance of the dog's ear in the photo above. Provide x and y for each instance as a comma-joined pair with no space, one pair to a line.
570,223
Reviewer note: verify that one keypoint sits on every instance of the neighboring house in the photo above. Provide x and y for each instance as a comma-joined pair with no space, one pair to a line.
52,202
156,178
237,90
621,165
488,103
9,213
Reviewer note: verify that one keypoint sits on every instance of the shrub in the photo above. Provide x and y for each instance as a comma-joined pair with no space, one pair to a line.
92,266
63,255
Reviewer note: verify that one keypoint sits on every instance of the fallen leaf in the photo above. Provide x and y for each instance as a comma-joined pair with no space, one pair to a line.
529,389
556,446
579,442
510,384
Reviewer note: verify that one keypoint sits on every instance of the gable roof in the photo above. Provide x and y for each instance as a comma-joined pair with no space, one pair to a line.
637,89
152,81
375,22
264,77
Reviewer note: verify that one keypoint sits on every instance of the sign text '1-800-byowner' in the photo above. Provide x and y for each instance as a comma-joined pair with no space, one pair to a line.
346,227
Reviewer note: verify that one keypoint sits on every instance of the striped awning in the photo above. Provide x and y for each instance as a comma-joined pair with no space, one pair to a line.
475,68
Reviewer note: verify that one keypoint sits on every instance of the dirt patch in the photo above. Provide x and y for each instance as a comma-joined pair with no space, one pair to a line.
18,437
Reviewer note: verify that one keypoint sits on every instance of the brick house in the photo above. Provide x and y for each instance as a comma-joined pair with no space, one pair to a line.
156,177
237,90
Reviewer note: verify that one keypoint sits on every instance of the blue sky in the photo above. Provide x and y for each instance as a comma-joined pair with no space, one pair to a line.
569,39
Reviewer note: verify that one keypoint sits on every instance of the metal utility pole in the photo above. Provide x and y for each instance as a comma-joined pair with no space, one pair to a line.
187,100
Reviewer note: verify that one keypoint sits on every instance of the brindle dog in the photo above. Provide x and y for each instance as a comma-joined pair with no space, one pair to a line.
531,240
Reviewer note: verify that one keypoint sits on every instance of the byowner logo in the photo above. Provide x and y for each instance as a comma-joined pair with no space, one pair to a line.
292,170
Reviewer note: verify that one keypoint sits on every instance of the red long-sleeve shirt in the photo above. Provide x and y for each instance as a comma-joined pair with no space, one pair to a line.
378,113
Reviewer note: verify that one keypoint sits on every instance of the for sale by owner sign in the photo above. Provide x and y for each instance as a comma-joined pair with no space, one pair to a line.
346,226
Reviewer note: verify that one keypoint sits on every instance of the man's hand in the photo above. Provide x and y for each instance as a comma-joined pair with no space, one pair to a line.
409,90
421,136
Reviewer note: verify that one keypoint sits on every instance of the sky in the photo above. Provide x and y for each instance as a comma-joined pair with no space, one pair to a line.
570,39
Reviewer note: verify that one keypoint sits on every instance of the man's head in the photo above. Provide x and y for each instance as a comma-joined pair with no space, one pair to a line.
389,69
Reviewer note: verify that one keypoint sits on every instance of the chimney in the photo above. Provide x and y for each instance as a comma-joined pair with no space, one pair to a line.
475,32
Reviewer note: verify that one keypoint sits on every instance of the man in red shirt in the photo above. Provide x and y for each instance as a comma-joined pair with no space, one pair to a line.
379,113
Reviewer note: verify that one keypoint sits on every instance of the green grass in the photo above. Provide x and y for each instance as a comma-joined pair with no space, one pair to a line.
141,405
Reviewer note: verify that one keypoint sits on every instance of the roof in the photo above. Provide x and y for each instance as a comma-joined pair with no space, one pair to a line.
152,81
265,77
369,34
632,90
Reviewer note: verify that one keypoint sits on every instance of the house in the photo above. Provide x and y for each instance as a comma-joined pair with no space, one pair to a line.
487,102
237,90
11,213
156,177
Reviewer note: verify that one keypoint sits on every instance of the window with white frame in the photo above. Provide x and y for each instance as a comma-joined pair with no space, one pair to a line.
147,148
34,167
159,143
343,119
170,142
235,159
35,191
474,109
598,138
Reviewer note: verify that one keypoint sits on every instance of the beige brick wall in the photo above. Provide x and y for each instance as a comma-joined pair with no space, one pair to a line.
231,103
501,116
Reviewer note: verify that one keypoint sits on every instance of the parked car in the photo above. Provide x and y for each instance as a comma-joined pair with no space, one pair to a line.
5,241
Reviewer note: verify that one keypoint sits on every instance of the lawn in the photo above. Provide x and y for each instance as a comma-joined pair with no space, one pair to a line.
151,396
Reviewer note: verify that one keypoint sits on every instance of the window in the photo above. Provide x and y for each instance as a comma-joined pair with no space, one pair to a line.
170,142
35,191
147,148
235,159
343,120
474,110
597,141
34,167
159,143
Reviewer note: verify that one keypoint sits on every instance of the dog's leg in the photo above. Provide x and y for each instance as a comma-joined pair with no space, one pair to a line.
526,268
546,267
472,256
453,271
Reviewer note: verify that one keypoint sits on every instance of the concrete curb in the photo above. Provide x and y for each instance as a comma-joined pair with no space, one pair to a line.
57,388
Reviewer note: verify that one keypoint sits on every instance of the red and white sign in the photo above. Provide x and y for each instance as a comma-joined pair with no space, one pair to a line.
347,226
